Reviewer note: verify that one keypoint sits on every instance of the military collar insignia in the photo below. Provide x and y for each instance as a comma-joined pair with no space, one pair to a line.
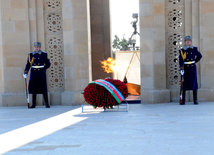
186,47
34,52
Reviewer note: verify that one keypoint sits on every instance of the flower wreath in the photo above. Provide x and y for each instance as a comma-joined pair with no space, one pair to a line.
98,95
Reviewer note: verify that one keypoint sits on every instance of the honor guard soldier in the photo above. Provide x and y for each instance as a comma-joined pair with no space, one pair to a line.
37,63
189,56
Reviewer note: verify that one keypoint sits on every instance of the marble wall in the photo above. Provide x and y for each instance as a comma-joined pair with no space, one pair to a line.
153,52
206,40
77,51
1,58
15,46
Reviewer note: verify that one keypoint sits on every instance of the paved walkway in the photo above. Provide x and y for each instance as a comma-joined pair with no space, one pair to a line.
158,129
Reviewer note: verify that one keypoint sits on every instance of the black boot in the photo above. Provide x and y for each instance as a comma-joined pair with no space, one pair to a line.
45,95
183,97
195,96
33,101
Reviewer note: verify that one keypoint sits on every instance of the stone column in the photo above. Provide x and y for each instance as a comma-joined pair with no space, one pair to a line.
1,56
77,63
15,44
36,22
153,62
188,17
100,36
207,49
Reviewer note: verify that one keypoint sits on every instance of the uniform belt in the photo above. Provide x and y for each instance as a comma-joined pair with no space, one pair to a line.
37,67
189,62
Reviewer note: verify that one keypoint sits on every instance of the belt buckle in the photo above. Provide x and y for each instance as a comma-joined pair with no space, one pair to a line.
37,67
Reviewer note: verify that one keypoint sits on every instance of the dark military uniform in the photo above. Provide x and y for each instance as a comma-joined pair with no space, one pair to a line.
37,62
188,58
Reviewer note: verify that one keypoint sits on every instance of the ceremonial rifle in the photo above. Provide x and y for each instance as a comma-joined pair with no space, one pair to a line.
27,93
181,88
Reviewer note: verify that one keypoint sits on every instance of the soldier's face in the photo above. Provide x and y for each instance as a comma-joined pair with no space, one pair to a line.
188,42
37,48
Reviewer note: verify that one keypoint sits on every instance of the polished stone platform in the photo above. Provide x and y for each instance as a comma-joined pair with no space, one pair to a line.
147,129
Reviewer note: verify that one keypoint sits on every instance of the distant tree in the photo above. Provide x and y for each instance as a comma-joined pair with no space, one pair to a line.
116,43
122,44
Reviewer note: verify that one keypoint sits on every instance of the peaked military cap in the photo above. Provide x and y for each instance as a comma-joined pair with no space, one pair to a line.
37,44
187,38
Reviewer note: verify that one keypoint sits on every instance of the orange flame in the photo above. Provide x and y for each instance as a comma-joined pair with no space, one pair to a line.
109,65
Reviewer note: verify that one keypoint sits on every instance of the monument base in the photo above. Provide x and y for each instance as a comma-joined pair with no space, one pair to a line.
155,96
19,99
205,95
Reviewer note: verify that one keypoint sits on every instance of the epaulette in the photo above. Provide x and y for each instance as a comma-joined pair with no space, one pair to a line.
43,52
30,53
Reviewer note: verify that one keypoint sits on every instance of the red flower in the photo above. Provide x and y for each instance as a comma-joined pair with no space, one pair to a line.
98,96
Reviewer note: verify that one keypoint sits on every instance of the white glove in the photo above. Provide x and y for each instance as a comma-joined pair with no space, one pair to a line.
182,72
25,76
